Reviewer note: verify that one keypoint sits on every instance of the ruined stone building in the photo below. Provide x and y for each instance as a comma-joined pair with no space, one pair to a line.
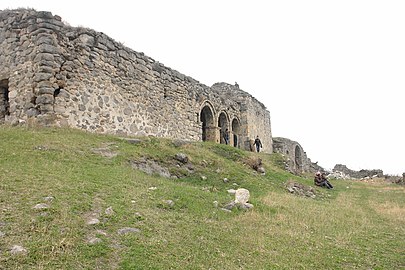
297,160
54,74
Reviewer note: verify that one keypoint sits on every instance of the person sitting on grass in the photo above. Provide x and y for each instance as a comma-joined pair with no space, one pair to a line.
320,180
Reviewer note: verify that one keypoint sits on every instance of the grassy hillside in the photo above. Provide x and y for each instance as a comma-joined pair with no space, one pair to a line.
54,183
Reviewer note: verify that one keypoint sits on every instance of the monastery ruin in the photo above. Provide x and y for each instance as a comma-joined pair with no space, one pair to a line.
54,74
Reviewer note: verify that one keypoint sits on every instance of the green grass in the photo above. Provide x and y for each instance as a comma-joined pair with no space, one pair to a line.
355,226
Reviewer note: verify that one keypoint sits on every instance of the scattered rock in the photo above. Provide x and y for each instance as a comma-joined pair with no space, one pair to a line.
2,234
338,175
101,232
15,250
127,230
41,148
245,206
230,205
189,167
300,189
94,240
138,216
48,198
150,167
242,196
183,158
109,211
203,177
152,188
209,189
41,206
93,221
168,203
215,203
226,180
261,170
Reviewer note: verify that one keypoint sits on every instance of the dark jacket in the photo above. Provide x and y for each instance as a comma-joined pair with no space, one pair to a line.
258,142
318,180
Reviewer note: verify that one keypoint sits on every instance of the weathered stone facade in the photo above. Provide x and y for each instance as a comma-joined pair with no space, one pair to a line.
297,160
54,74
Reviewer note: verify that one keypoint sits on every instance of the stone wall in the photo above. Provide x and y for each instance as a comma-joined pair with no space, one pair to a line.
357,174
297,160
54,74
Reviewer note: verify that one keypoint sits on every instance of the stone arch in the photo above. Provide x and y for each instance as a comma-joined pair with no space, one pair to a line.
223,126
4,99
207,122
235,138
298,158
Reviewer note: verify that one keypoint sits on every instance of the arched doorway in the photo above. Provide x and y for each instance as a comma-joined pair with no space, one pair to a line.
298,159
207,122
235,132
4,101
223,125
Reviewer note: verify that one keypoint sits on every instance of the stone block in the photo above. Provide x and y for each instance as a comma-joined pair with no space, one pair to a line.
44,90
12,94
87,39
41,76
46,48
45,108
45,99
44,56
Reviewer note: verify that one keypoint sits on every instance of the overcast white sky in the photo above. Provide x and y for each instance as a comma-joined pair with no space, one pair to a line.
331,73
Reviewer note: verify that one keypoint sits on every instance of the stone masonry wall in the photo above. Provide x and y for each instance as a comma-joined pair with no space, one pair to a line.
297,159
54,74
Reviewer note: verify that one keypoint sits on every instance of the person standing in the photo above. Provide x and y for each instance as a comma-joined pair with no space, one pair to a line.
258,144
226,136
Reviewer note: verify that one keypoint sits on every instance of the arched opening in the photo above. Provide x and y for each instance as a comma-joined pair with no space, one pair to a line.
207,122
298,158
4,100
235,132
223,128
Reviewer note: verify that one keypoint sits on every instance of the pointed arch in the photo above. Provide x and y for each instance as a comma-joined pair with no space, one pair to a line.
235,132
223,125
207,121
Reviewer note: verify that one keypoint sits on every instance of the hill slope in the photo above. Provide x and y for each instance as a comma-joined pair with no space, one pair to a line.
73,200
